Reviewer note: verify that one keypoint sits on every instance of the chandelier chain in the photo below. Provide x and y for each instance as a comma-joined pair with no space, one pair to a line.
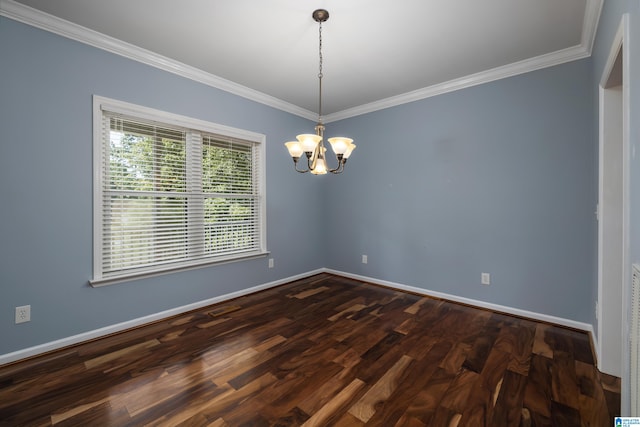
320,49
320,75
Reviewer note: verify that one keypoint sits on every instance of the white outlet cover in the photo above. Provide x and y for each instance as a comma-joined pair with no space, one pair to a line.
23,314
485,278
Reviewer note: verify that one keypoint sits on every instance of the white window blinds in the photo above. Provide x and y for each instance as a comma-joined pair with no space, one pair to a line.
170,196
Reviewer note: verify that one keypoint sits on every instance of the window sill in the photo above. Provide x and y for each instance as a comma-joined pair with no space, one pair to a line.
115,279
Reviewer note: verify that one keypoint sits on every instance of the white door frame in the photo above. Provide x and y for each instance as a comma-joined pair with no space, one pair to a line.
620,45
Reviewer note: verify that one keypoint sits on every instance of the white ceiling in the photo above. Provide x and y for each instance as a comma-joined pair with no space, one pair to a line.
376,52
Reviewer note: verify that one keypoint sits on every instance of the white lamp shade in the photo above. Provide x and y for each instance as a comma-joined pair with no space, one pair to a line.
350,149
340,144
309,141
320,167
294,147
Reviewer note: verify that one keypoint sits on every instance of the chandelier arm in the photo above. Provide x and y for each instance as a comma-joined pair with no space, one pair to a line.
339,169
298,170
295,165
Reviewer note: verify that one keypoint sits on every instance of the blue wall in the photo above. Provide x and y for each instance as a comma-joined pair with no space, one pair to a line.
496,178
46,88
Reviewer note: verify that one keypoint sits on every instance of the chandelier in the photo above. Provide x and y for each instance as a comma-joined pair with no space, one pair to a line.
312,145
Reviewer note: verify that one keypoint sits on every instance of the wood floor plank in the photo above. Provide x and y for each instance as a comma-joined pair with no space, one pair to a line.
508,406
287,395
310,292
59,416
408,421
456,396
348,312
537,397
564,382
321,417
322,350
321,395
230,399
446,417
289,350
452,363
480,410
594,412
365,408
540,345
562,415
480,349
116,358
416,306
426,403
403,402
518,342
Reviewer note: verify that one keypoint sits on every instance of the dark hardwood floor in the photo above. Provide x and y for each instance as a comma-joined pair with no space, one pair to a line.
320,351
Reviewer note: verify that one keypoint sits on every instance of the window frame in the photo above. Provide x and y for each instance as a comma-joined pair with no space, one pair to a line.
103,106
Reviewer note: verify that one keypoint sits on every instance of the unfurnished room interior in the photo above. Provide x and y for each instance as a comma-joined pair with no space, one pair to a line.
342,213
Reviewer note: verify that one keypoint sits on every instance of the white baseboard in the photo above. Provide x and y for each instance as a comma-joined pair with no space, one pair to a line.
476,303
97,333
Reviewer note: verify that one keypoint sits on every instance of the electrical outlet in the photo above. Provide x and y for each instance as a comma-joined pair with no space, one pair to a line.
270,262
364,259
596,310
485,278
23,314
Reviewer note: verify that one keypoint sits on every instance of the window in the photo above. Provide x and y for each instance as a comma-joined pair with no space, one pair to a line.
172,192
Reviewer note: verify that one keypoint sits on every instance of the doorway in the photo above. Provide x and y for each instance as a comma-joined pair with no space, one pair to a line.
613,265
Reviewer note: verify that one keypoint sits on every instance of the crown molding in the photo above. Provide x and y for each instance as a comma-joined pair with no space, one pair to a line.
44,21
64,28
590,23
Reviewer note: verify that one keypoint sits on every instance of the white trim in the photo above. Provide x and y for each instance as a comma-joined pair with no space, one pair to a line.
39,19
97,218
592,14
476,303
114,280
140,321
599,219
621,40
616,44
608,68
120,327
625,390
595,344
